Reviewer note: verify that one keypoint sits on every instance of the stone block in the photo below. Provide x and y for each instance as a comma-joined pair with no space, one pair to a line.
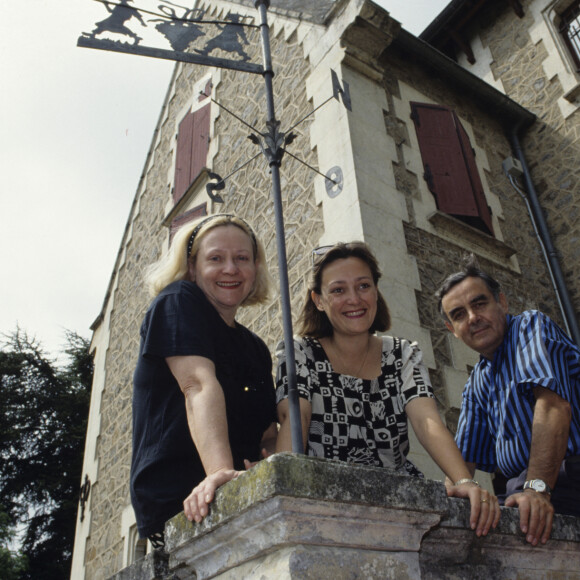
154,566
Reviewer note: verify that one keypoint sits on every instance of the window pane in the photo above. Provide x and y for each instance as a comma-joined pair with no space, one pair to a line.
570,29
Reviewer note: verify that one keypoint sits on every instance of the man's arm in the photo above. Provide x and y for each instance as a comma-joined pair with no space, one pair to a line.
550,432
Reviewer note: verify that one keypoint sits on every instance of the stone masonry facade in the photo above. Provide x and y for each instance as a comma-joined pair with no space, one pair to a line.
514,258
520,51
525,280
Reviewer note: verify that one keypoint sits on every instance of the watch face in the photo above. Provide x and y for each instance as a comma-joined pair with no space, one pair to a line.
538,485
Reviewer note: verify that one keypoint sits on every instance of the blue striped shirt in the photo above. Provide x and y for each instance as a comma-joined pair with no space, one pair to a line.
495,423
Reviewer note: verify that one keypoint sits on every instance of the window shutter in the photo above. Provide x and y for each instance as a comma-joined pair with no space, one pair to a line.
200,141
449,163
192,148
192,214
183,157
476,185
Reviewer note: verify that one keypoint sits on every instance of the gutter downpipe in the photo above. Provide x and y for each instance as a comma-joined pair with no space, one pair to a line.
539,221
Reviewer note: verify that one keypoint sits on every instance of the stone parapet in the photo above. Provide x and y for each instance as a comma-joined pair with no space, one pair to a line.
297,517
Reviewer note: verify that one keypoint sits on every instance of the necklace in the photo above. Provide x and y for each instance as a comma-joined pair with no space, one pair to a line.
339,358
365,358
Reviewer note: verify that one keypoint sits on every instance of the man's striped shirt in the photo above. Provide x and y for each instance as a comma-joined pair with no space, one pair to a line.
495,423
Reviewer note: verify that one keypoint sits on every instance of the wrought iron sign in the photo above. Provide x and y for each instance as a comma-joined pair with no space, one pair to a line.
172,31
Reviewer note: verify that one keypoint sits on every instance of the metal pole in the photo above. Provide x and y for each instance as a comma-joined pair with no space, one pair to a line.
294,405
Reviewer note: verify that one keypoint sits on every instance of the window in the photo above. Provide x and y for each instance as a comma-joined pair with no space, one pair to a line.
192,144
570,30
192,214
450,167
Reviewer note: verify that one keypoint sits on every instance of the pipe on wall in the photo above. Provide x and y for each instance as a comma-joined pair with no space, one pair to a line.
550,254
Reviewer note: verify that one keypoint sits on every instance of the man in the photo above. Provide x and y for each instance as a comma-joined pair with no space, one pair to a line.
521,405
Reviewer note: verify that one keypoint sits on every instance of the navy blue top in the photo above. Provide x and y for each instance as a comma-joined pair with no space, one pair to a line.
495,423
165,465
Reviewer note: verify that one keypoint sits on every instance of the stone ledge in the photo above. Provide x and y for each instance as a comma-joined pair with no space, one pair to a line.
573,95
472,239
292,509
299,476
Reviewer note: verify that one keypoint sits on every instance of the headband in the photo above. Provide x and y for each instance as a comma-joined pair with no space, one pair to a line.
217,215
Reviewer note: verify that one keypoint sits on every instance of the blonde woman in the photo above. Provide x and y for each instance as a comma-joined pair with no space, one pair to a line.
203,396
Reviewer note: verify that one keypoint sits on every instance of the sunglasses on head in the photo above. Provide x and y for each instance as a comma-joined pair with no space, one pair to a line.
321,251
317,253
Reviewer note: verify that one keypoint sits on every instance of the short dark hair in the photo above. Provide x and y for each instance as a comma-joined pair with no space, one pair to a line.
470,269
315,323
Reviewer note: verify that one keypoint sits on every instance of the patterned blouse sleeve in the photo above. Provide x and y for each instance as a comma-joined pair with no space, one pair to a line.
415,380
304,371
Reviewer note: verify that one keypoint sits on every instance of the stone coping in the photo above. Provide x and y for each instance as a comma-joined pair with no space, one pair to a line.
299,476
294,516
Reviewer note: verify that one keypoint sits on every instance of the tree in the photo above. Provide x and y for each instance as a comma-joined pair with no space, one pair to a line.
12,564
44,409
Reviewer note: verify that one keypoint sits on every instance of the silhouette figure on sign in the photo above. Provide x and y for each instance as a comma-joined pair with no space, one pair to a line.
229,39
120,13
180,31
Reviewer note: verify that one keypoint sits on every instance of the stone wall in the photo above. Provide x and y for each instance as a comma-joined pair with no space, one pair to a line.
436,253
531,66
294,517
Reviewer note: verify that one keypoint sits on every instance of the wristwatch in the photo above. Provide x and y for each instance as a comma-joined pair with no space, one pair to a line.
538,485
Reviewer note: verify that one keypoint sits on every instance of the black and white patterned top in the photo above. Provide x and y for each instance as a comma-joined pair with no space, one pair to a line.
357,420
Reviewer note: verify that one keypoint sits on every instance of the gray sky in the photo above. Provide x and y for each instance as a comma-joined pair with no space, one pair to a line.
75,127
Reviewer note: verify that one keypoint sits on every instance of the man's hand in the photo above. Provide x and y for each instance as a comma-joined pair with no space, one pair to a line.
196,504
536,515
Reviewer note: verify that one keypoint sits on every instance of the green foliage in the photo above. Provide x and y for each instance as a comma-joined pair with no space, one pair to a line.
12,564
44,409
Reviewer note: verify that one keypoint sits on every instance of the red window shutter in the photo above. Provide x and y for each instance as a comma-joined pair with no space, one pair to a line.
183,157
192,148
200,144
449,163
476,185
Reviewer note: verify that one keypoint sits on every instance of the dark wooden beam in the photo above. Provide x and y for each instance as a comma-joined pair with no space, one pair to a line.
462,45
518,8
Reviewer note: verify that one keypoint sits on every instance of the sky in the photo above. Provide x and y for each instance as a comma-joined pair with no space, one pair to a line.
75,128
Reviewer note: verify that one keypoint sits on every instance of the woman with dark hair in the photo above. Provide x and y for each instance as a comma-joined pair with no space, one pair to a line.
203,395
356,389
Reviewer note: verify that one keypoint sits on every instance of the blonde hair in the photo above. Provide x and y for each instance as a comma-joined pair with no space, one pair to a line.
174,265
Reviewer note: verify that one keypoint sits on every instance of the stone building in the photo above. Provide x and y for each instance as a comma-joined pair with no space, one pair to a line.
421,151
530,51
